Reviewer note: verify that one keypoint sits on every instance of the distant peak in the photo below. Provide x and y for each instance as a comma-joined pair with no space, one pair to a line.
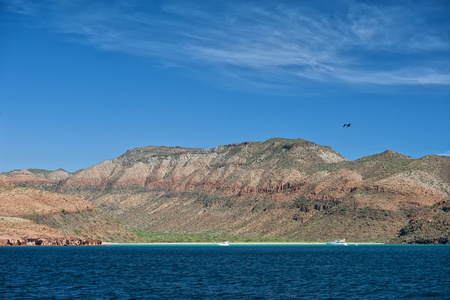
388,154
392,153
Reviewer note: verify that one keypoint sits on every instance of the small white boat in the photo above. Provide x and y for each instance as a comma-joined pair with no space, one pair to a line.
224,244
338,243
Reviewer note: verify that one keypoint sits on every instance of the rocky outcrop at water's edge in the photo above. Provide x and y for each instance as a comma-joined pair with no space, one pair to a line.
49,241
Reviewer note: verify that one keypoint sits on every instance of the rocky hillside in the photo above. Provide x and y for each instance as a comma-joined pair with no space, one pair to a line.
294,189
429,225
31,214
33,178
23,232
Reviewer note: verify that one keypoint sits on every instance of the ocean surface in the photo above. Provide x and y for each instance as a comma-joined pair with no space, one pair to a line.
233,272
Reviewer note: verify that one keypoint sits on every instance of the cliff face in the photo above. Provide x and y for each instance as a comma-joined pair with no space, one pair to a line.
32,217
290,188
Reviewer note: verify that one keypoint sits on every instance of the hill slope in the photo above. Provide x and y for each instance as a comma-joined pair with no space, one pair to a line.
31,213
291,189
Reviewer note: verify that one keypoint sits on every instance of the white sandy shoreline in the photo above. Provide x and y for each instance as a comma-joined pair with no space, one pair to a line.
312,243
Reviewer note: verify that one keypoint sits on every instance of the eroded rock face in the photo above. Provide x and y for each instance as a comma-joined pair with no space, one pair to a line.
49,241
37,178
31,213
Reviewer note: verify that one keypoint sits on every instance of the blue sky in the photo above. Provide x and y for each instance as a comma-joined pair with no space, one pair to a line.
83,81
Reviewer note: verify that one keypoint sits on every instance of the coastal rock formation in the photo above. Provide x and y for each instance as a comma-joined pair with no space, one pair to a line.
15,231
49,241
30,216
295,189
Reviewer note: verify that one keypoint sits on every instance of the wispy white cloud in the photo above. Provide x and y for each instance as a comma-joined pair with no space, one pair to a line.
351,42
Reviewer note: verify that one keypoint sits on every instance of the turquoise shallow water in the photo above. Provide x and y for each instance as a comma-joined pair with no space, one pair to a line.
234,272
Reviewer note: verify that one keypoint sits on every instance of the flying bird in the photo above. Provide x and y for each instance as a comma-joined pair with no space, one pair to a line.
347,125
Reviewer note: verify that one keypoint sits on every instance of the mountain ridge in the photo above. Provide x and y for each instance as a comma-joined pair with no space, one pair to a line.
279,187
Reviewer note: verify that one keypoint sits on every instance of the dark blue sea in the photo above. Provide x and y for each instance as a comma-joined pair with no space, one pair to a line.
234,272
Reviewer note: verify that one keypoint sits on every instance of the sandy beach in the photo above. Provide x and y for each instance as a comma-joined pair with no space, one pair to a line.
242,244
